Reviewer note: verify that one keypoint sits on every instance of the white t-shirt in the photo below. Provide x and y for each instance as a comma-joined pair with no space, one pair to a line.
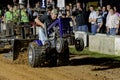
93,15
107,18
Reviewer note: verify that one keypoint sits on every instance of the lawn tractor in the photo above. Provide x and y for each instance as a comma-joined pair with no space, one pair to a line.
56,51
19,37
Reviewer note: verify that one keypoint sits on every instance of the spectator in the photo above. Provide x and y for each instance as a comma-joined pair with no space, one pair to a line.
8,18
108,15
92,19
104,15
68,14
118,14
113,23
24,16
15,13
67,7
29,11
99,20
116,11
81,20
37,7
100,9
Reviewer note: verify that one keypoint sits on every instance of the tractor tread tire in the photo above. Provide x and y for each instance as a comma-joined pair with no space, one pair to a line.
79,44
37,55
63,57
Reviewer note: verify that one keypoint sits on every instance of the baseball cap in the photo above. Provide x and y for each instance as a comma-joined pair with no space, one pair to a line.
54,11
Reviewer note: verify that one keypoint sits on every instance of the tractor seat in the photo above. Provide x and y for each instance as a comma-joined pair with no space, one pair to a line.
38,42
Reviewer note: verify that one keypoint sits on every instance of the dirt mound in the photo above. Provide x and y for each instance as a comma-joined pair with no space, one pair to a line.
22,59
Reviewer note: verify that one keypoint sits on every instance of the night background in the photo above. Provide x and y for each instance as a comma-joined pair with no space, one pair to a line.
32,2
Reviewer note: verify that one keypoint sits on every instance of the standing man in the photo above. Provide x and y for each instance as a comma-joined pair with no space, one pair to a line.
37,7
81,18
8,19
24,16
108,16
92,20
15,14
104,15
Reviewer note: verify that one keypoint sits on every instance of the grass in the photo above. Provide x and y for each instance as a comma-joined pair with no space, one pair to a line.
93,54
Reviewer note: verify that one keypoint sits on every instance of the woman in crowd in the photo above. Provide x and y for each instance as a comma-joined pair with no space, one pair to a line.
113,23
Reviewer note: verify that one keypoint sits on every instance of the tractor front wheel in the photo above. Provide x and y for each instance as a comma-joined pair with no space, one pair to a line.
63,57
36,55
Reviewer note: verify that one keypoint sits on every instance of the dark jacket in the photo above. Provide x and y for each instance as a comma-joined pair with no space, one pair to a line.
81,17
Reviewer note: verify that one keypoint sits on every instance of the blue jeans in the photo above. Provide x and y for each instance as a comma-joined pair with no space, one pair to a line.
42,35
112,31
94,29
83,28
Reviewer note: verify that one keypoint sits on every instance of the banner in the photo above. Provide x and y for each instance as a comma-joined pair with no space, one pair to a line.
60,3
43,4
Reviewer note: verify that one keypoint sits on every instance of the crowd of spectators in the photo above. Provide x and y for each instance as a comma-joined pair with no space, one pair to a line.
103,19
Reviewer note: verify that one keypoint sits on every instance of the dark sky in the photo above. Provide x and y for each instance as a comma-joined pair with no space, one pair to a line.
5,2
114,2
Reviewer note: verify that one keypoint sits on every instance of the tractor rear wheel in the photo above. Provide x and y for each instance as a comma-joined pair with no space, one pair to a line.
79,44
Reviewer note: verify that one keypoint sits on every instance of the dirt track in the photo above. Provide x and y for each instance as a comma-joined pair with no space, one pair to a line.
80,68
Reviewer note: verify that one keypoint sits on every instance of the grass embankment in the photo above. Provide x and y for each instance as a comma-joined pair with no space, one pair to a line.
93,54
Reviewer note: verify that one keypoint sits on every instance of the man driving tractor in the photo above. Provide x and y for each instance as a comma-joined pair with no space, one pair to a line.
47,19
